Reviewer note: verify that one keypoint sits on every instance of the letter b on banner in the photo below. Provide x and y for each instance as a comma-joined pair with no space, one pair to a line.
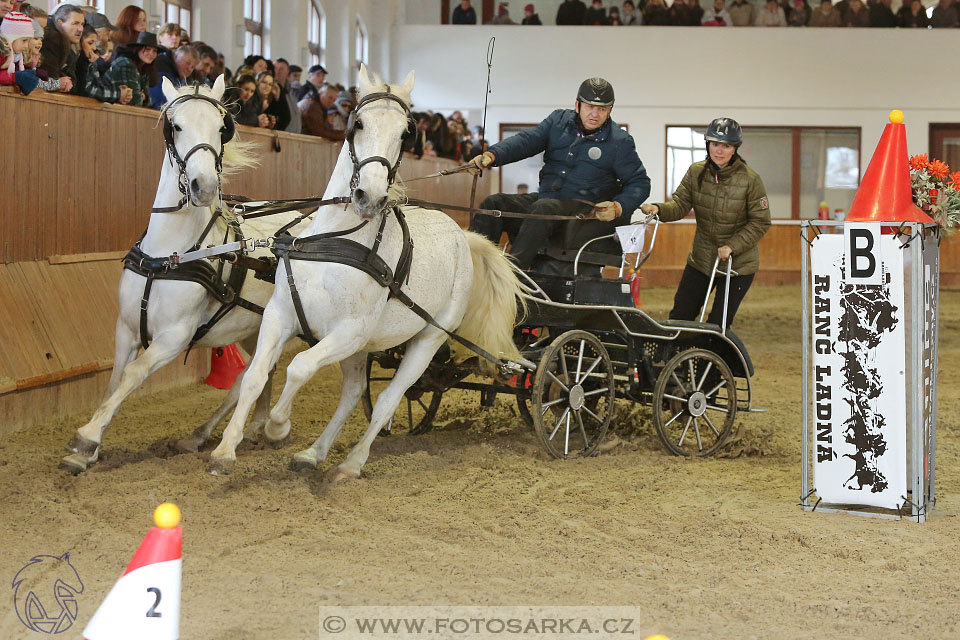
862,253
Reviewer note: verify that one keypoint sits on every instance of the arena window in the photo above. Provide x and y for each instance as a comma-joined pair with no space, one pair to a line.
253,25
361,49
178,12
800,166
317,32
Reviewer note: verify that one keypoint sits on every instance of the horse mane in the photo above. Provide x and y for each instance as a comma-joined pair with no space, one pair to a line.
237,154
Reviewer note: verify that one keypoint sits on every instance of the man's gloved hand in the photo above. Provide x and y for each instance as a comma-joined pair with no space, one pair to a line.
608,210
481,162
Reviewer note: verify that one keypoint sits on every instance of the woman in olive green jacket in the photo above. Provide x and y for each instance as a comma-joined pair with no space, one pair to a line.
730,203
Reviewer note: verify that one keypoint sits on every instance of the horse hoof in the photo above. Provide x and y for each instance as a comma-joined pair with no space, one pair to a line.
338,475
303,462
220,466
190,444
75,464
79,444
276,444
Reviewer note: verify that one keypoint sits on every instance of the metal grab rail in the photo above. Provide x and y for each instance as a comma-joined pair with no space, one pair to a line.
726,295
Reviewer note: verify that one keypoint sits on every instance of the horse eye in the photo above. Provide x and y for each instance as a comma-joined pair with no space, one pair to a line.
176,127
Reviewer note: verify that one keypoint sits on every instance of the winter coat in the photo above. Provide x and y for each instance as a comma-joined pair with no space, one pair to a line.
713,18
632,18
767,18
742,14
820,19
944,18
464,17
94,85
248,112
588,167
571,12
657,15
315,121
532,20
731,208
56,55
165,67
907,20
595,16
882,16
124,71
857,19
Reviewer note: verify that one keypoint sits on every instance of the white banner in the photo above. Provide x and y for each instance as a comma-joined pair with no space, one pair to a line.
859,390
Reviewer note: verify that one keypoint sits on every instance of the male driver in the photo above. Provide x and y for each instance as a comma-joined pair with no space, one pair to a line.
590,165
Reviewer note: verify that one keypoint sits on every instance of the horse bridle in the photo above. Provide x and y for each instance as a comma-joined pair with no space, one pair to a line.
354,123
226,135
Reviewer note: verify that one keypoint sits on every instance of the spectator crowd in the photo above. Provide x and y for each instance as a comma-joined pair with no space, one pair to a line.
732,13
78,51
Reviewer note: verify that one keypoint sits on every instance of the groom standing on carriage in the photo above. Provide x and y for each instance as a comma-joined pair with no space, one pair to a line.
590,166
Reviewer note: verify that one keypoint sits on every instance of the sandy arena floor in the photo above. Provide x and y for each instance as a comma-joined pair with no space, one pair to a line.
476,514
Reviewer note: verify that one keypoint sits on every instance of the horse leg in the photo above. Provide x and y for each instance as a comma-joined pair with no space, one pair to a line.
86,442
416,359
261,414
354,382
336,346
274,333
125,351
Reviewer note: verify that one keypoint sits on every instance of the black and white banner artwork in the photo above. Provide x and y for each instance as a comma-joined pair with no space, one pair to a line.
858,369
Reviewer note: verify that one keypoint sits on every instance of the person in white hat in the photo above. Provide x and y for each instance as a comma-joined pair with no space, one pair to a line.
17,33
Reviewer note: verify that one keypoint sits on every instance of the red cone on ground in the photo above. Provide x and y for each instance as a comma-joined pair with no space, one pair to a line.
145,602
226,363
886,193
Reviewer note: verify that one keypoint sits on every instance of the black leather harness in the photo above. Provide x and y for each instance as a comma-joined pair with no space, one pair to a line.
200,272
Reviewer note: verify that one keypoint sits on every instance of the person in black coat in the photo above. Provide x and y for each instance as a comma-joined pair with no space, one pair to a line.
464,14
530,16
571,12
596,14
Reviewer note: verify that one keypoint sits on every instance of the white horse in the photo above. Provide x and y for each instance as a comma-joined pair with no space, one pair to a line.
177,308
460,278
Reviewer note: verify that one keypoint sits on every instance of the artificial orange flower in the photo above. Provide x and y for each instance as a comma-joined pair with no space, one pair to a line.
918,162
955,180
938,169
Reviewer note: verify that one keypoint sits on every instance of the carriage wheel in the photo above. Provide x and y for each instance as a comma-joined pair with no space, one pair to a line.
695,403
572,395
415,413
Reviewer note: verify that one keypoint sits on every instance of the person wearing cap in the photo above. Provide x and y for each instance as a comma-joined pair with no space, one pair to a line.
463,13
530,16
732,213
63,33
316,75
17,32
294,83
503,15
590,166
133,67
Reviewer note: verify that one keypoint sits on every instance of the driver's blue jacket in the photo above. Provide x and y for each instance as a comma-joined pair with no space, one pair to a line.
597,167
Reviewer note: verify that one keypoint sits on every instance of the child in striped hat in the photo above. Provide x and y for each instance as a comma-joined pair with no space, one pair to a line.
18,32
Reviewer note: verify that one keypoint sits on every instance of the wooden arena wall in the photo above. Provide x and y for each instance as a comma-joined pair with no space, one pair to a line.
80,183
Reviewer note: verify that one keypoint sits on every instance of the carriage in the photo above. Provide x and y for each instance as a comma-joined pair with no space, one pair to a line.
586,346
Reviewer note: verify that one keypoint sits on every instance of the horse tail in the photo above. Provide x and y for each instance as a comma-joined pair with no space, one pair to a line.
492,310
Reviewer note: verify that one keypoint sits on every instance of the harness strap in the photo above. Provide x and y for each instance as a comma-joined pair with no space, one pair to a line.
305,333
144,301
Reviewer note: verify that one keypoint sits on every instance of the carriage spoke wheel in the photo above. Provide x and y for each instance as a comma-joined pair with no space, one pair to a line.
415,414
572,395
695,403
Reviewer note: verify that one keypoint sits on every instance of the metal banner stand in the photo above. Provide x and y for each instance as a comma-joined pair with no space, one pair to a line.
921,244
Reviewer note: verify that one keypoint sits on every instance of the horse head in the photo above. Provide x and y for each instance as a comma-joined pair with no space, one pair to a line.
196,128
375,135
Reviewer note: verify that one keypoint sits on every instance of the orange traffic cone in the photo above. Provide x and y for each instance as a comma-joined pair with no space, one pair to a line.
226,363
886,193
145,601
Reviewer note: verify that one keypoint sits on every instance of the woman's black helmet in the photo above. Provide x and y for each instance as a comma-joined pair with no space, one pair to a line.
725,130
596,91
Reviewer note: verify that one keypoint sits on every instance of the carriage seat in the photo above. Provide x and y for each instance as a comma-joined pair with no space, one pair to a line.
559,255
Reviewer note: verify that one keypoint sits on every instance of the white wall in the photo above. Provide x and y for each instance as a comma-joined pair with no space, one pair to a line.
802,77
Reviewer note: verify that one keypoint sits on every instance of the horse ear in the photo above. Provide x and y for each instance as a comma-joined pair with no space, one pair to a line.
169,91
218,88
364,79
408,83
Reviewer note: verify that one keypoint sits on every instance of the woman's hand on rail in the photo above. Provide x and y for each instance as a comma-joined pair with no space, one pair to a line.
724,252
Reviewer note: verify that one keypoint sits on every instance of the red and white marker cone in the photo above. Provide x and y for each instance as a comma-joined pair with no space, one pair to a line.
145,601
226,363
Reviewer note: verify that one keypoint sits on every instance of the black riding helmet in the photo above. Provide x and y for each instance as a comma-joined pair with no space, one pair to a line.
726,130
596,91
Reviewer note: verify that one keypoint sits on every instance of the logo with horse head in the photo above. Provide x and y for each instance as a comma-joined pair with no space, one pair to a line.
45,594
